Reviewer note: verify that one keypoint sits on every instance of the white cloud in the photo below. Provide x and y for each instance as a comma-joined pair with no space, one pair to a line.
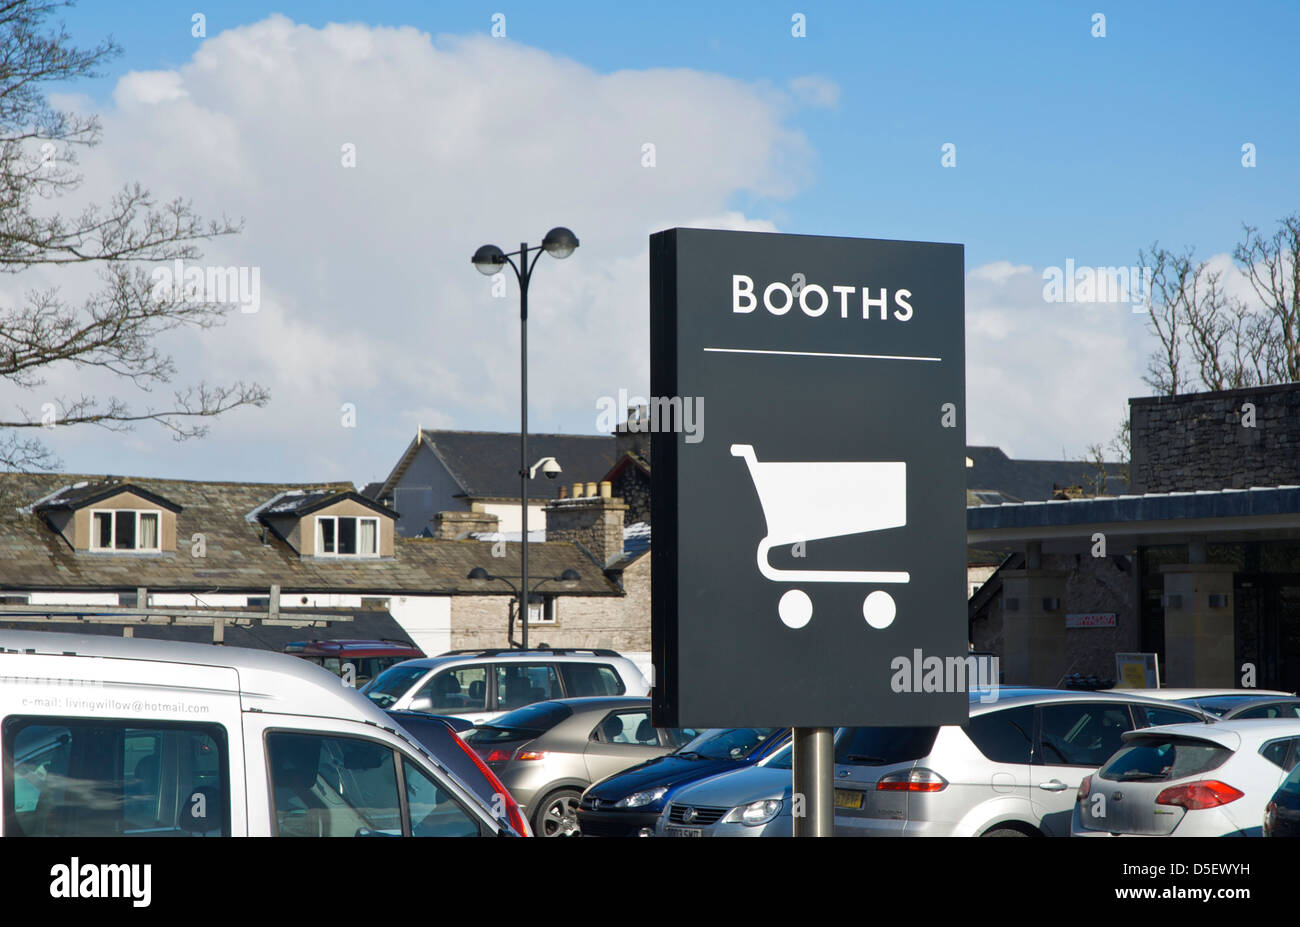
1046,378
815,90
368,295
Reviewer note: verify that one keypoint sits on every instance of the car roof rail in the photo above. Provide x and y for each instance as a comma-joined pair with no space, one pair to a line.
496,651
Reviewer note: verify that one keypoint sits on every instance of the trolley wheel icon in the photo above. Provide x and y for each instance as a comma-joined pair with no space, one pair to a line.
796,608
804,501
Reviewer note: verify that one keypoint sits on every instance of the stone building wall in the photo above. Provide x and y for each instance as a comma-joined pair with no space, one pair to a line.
619,623
1094,585
1233,439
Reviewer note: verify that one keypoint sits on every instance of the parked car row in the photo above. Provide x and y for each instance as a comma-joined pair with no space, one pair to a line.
1036,762
123,737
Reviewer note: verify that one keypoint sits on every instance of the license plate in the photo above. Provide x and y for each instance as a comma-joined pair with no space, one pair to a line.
684,832
848,798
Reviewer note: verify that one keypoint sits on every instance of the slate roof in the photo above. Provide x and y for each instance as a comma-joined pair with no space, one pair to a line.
486,463
35,557
83,493
1032,479
1156,506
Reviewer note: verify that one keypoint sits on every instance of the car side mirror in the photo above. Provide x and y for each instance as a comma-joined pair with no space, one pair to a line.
422,703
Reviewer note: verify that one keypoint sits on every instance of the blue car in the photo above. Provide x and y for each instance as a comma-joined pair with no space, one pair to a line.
628,803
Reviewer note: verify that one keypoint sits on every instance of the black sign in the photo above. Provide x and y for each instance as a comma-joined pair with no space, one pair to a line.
808,480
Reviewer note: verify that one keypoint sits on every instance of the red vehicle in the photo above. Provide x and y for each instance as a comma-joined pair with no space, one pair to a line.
362,659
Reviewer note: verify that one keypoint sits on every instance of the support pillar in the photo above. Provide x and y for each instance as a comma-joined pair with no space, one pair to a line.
1033,627
1200,626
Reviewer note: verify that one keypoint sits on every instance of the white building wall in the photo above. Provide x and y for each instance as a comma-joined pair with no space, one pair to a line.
426,618
72,598
509,516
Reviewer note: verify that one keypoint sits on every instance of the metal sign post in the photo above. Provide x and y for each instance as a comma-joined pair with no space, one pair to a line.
814,788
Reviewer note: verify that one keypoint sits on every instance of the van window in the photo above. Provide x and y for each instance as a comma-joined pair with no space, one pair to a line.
335,786
581,679
1082,733
326,786
101,778
1003,736
434,813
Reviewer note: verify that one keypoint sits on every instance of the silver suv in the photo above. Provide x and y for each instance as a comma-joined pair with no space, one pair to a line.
480,685
1012,770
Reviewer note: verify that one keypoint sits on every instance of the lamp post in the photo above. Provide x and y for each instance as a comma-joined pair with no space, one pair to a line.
490,260
568,576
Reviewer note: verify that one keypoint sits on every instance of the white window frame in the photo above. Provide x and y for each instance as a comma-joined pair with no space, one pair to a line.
549,608
134,513
319,547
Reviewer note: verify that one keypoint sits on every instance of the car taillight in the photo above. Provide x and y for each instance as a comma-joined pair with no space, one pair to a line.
1084,788
499,756
916,780
1197,796
513,814
531,755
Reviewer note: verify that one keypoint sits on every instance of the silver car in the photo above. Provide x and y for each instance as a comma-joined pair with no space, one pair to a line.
1011,771
547,753
1189,780
753,801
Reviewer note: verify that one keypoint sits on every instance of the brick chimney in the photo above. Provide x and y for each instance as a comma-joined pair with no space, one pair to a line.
595,522
454,526
629,438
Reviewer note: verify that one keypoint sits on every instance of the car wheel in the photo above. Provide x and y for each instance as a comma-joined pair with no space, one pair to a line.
557,815
1004,832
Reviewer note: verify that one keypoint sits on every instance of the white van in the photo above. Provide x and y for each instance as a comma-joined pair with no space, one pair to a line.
105,736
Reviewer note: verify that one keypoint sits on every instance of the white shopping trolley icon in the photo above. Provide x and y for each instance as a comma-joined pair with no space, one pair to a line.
822,499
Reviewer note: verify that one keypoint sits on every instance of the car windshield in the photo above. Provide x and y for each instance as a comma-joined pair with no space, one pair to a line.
1157,759
393,683
728,743
781,759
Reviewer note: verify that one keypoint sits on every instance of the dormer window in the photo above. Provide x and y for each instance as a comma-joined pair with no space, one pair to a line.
111,517
347,536
125,529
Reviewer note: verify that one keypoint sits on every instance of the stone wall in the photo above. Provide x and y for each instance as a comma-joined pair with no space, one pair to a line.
594,522
1094,585
1232,439
619,623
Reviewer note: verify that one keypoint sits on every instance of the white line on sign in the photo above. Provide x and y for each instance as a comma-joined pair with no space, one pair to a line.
823,354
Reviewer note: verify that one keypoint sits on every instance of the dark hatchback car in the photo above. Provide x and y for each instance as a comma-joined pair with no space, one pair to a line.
441,738
627,804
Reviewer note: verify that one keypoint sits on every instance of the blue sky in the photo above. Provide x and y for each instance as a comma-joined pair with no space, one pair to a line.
1065,142
1068,146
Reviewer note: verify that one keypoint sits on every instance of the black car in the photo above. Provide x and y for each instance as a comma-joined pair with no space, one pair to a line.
628,803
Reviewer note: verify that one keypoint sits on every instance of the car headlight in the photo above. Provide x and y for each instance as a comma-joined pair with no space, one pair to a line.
641,799
755,813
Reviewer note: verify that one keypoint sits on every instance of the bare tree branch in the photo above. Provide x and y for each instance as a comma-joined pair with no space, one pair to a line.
116,327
